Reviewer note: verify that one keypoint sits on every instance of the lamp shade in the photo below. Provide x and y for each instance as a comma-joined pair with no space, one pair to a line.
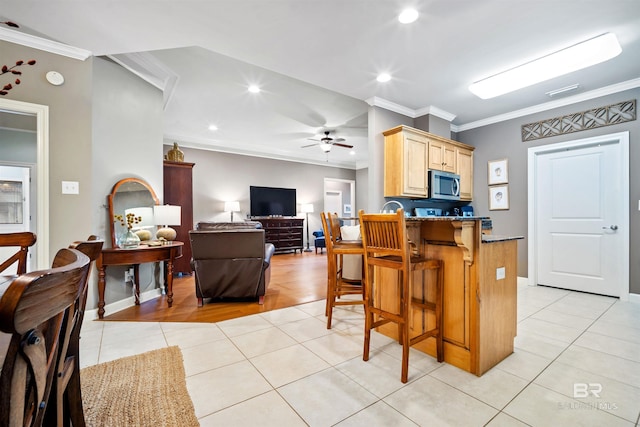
167,214
146,215
306,208
231,206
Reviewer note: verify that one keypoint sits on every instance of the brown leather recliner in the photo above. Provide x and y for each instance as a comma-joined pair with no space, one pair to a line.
231,261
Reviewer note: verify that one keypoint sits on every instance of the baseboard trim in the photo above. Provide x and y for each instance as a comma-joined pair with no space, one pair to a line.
634,298
114,307
522,281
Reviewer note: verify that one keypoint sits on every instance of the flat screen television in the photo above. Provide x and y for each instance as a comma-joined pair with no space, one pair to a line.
271,201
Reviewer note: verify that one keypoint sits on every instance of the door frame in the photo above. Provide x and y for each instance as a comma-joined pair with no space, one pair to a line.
41,113
622,139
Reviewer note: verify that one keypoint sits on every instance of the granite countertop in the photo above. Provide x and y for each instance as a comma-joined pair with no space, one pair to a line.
446,218
492,238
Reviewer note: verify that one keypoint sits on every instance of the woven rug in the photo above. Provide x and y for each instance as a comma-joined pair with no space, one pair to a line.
148,389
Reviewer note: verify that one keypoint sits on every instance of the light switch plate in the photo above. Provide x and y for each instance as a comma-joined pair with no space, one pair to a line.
500,273
70,187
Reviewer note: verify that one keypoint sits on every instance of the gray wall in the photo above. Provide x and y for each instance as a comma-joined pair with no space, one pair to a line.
127,118
503,140
69,136
220,177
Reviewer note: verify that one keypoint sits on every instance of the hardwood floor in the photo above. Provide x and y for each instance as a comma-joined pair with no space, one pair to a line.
295,279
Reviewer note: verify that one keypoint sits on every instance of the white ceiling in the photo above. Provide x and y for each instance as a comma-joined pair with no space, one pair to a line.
316,60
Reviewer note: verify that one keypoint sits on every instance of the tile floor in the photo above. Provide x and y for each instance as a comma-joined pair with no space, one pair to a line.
284,368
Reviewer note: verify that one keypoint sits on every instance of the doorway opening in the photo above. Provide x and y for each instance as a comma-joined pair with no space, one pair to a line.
11,114
340,196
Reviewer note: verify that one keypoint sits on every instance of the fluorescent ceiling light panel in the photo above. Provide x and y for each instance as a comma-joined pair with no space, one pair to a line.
576,57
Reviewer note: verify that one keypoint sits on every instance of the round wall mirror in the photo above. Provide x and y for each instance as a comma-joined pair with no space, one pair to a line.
130,195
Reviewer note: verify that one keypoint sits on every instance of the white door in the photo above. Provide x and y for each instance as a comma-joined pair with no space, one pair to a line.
333,201
581,230
14,208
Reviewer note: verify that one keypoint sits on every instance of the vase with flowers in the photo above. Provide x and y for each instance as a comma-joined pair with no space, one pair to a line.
128,239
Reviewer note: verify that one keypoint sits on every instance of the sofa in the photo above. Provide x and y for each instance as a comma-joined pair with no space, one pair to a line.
231,261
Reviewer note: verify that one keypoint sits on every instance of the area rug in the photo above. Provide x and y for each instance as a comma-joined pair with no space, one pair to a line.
148,389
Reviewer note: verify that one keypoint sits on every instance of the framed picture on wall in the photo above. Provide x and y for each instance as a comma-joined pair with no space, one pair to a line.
347,210
498,172
499,197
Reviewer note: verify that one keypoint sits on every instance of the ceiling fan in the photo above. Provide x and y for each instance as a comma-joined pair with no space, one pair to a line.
327,142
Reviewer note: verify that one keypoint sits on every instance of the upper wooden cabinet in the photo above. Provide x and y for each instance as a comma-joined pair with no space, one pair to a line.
464,162
405,163
409,154
442,156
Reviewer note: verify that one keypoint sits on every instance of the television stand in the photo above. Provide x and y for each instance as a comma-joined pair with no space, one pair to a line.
284,232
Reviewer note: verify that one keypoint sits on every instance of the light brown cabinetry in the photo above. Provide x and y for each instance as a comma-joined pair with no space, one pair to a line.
409,154
442,156
464,162
479,312
405,163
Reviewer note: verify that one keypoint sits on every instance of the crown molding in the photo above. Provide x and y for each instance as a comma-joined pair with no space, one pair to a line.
210,145
391,106
596,93
435,111
149,69
44,44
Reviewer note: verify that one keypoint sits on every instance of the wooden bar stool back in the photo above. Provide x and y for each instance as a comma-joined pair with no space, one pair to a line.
22,241
337,285
386,246
66,387
33,309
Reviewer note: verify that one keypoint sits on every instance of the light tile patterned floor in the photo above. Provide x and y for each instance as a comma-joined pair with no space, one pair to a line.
284,368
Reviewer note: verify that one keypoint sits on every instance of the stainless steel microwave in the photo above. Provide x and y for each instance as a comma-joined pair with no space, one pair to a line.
444,185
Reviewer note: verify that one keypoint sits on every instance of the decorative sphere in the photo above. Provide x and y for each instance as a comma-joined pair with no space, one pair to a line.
166,233
144,235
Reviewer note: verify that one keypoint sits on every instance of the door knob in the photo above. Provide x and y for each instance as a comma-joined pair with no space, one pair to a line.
612,227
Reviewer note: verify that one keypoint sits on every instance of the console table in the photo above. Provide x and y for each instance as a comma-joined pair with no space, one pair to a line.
136,256
284,232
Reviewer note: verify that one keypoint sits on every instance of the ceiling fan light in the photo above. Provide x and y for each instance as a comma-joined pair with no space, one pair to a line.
325,147
573,58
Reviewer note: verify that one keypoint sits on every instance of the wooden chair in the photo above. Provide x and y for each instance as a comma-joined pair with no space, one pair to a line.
386,246
32,309
337,285
21,240
66,387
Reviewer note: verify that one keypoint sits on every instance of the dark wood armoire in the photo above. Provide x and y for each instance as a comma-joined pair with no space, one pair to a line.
178,190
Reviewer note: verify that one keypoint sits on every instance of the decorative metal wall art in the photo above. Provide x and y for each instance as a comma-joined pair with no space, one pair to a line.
590,119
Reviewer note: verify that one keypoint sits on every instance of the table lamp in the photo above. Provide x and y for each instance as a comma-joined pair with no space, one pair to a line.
307,208
166,215
232,207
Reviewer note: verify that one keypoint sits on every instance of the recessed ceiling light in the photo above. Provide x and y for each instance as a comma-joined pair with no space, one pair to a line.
353,153
384,77
254,89
213,127
565,61
408,16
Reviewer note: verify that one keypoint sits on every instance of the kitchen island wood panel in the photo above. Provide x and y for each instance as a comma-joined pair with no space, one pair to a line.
479,313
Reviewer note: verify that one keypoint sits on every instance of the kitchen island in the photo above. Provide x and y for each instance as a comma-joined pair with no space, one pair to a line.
479,312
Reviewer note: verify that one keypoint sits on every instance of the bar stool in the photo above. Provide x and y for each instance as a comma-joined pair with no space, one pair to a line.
385,242
337,285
